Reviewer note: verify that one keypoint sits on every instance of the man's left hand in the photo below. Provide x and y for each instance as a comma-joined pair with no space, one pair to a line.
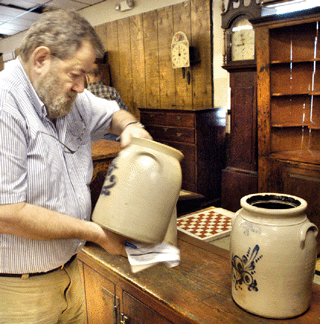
133,130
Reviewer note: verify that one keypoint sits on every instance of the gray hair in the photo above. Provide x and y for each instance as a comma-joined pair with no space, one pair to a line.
62,32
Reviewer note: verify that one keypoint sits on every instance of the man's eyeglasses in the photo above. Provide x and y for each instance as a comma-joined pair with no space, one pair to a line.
77,130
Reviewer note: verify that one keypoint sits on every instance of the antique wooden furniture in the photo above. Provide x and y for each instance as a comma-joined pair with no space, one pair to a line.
239,40
196,291
189,201
103,152
288,61
200,136
240,177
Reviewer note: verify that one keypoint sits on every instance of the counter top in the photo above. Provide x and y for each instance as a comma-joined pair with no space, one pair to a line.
103,149
199,288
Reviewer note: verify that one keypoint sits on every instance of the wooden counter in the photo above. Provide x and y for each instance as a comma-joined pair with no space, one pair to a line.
103,151
197,291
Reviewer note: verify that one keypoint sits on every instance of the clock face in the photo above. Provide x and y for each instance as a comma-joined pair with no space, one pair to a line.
180,51
242,41
180,55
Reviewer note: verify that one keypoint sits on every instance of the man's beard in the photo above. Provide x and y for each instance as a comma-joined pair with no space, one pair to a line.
57,103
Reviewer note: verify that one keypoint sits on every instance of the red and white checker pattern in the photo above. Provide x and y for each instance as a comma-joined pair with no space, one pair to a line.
207,224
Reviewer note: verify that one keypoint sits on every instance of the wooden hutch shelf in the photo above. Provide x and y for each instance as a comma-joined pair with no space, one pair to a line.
312,157
288,93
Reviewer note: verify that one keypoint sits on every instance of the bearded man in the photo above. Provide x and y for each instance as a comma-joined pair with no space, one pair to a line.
47,123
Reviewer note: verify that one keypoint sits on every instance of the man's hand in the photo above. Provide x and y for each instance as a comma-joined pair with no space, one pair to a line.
110,241
133,130
126,125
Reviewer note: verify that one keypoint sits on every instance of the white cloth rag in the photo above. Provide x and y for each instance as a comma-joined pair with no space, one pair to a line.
142,256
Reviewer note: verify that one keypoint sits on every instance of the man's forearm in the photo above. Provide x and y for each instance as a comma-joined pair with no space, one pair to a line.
34,222
120,120
38,223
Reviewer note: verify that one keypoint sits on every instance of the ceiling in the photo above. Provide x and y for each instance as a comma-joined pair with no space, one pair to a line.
18,15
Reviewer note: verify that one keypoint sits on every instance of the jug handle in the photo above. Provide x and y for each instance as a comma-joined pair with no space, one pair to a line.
234,216
303,232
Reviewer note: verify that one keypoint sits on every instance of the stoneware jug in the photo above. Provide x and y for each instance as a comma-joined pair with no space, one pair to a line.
273,255
140,191
171,236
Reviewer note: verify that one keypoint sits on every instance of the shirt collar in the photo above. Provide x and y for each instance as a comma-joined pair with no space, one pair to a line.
94,83
34,98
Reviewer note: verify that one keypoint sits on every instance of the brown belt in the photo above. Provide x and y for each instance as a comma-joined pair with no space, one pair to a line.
26,275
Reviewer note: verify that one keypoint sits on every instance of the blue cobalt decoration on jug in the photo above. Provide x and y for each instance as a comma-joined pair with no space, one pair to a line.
273,255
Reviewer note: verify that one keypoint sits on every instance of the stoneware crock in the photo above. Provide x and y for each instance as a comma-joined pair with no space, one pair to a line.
171,236
140,191
273,255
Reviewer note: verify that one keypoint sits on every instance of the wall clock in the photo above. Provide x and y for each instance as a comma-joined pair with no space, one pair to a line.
180,55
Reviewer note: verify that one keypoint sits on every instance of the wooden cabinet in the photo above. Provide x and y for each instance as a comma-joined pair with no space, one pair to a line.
288,62
103,305
136,312
200,136
197,291
240,178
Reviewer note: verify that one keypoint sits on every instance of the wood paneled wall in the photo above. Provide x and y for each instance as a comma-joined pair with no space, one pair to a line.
139,54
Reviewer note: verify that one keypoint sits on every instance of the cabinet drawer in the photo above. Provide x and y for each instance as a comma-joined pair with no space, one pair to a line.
174,134
153,118
181,119
168,119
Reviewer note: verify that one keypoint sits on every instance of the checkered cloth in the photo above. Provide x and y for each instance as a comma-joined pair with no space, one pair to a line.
207,224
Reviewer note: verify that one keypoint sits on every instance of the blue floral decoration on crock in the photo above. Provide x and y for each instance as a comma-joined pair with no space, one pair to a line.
243,269
110,179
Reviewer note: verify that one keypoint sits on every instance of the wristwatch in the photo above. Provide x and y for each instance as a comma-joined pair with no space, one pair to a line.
135,122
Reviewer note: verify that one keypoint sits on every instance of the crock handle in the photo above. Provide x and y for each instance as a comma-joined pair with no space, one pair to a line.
303,232
235,215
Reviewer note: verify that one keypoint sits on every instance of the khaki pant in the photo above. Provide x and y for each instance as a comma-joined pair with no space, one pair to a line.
56,297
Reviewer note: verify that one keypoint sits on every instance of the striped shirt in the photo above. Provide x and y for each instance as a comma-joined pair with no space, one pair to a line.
106,92
36,168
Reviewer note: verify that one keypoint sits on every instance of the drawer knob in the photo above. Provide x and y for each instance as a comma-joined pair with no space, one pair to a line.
179,134
124,319
179,117
165,128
